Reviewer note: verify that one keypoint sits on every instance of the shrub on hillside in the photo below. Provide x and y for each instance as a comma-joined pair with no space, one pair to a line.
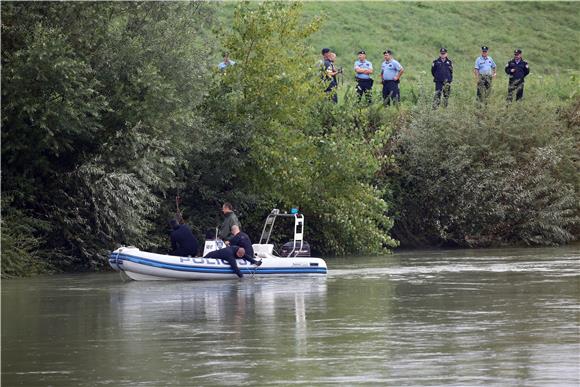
473,175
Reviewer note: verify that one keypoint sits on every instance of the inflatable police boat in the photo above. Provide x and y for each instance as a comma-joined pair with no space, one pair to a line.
294,260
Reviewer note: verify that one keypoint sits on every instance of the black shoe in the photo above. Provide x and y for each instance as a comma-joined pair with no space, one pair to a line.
258,263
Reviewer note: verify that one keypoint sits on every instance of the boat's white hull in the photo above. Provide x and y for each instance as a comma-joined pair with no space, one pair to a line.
140,265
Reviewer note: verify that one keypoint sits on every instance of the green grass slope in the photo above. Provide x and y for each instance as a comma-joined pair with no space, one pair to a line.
547,32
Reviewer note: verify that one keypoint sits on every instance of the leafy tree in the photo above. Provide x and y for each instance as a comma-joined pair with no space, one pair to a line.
100,103
285,147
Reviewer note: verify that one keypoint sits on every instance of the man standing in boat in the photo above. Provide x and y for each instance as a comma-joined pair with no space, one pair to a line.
225,232
241,239
183,242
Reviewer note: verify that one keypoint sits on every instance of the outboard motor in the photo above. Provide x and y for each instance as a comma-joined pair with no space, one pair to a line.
287,250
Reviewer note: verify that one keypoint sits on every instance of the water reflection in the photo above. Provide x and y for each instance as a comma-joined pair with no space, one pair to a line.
217,314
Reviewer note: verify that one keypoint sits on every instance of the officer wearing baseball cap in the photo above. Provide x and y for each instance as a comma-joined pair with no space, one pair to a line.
517,69
484,71
363,70
442,71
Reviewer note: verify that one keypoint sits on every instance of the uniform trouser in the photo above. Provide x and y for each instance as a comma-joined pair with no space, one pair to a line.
231,261
517,86
391,92
331,91
441,89
250,259
364,87
483,87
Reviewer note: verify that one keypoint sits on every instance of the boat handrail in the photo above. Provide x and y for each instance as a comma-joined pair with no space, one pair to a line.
298,229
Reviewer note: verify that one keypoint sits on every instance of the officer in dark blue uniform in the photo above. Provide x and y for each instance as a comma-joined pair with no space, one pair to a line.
241,239
229,254
183,243
442,71
517,69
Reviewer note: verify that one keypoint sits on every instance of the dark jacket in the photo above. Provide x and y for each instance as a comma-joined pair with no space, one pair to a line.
183,242
323,68
522,69
225,232
442,71
243,240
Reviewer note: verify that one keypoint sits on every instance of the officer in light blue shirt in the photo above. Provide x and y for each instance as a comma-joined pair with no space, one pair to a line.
363,70
484,71
227,62
391,72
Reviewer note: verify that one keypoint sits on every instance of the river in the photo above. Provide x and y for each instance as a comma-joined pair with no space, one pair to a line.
420,318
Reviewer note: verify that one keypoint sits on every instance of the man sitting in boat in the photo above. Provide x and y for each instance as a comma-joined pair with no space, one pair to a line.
183,243
242,239
230,219
230,254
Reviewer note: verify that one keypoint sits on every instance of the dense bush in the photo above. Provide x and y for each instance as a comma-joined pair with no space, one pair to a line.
473,175
20,245
94,124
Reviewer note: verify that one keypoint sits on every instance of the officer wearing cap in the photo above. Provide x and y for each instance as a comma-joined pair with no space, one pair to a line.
442,71
391,72
328,74
363,70
484,73
517,69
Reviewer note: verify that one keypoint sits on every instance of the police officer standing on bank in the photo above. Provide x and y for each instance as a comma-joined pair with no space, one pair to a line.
485,71
329,72
363,70
227,62
517,69
391,72
442,71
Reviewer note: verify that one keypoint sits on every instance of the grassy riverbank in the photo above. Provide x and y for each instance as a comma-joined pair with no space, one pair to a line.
547,32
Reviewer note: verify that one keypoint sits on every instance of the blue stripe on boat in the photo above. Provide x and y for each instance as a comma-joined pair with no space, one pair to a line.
114,258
